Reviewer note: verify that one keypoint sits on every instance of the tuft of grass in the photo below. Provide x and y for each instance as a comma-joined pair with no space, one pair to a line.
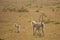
11,9
29,4
41,6
29,20
11,30
53,10
58,7
4,9
37,10
49,22
56,22
23,10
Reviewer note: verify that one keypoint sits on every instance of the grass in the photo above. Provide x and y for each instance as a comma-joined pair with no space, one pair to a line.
47,22
56,22
58,7
37,10
11,30
4,9
23,10
15,10
41,6
29,20
53,10
9,9
1,39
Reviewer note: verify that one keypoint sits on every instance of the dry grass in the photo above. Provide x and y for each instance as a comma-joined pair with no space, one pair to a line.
24,17
1,39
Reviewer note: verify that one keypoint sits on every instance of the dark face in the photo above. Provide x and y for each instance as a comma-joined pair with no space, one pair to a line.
33,23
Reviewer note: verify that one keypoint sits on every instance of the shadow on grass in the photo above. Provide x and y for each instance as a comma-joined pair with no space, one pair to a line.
56,22
53,22
1,39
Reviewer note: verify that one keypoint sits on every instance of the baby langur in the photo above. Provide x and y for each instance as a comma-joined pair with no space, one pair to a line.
17,27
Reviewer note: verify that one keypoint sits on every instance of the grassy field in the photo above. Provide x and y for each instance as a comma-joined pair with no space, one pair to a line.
24,16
